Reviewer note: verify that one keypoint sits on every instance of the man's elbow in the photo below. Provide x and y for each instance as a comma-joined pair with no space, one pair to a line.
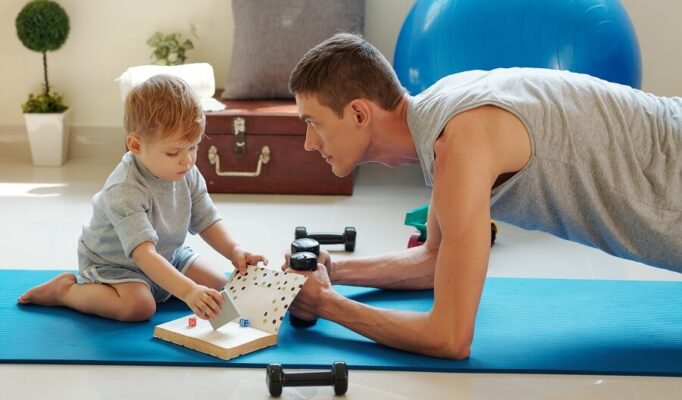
451,347
457,350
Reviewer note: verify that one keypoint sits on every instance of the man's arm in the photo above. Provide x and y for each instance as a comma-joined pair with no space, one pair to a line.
470,155
463,178
445,331
407,269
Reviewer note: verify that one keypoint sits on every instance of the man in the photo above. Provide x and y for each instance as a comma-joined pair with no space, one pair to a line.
584,159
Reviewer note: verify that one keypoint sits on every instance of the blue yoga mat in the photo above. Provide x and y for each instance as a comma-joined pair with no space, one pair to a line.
524,325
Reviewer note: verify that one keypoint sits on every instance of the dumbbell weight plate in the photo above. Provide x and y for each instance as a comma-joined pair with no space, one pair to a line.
274,375
305,244
340,374
303,261
349,234
300,232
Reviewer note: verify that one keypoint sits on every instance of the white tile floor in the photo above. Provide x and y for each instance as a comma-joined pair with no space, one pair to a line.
42,209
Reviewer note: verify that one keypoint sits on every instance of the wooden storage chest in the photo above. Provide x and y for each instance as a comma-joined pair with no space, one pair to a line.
256,146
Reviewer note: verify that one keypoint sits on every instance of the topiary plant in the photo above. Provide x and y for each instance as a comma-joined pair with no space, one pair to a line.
42,26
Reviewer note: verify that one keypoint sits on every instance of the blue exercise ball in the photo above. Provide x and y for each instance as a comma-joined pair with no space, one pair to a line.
442,37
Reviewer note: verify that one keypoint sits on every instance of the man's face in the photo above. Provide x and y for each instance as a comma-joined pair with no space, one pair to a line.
339,140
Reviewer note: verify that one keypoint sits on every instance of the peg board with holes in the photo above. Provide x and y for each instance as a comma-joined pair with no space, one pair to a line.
262,297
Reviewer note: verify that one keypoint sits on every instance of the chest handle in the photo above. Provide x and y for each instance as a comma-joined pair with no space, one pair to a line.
214,159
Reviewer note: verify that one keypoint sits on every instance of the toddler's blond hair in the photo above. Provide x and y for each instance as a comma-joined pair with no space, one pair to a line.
162,106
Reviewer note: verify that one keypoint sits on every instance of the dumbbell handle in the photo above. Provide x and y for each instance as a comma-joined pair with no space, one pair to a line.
308,379
327,238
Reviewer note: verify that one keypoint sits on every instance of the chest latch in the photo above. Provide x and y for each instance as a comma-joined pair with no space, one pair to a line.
239,131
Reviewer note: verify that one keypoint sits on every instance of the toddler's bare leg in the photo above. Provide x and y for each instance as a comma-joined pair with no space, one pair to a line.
131,301
50,292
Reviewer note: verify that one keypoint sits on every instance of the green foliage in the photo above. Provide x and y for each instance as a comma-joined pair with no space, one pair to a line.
170,49
42,25
44,103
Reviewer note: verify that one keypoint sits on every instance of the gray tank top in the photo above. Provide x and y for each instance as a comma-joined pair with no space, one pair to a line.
606,164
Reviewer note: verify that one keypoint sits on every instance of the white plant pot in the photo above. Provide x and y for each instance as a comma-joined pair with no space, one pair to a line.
48,136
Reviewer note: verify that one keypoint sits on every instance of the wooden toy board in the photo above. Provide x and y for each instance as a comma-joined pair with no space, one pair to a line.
262,296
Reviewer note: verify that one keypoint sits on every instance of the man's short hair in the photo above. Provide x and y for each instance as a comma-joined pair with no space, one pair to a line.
163,106
346,67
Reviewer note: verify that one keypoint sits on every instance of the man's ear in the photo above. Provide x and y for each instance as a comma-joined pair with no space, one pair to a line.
133,143
361,111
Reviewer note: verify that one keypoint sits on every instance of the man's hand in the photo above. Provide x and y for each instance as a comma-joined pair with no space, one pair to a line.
309,299
240,259
205,302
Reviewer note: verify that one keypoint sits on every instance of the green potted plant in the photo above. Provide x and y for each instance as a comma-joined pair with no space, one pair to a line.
42,26
171,49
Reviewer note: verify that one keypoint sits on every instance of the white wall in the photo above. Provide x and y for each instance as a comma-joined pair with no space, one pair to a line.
107,36
658,27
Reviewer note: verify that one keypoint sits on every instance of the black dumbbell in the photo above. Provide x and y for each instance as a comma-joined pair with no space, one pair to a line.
304,254
347,238
276,378
305,244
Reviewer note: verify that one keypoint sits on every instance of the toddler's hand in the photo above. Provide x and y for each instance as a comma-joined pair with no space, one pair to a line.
240,259
205,302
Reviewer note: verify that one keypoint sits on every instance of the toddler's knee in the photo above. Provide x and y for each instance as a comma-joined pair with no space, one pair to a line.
138,311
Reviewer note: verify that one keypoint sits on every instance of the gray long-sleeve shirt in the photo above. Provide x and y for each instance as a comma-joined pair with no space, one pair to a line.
134,206
606,163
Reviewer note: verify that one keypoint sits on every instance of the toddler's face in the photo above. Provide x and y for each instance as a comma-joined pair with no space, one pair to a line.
169,159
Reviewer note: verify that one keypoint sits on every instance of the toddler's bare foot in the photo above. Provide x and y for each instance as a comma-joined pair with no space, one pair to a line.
49,293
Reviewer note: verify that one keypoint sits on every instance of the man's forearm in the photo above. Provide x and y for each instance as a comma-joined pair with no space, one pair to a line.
410,269
405,330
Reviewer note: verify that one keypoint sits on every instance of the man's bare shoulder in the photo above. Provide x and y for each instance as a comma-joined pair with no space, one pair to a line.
489,131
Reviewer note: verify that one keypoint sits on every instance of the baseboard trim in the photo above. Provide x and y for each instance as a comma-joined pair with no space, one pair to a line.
104,143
